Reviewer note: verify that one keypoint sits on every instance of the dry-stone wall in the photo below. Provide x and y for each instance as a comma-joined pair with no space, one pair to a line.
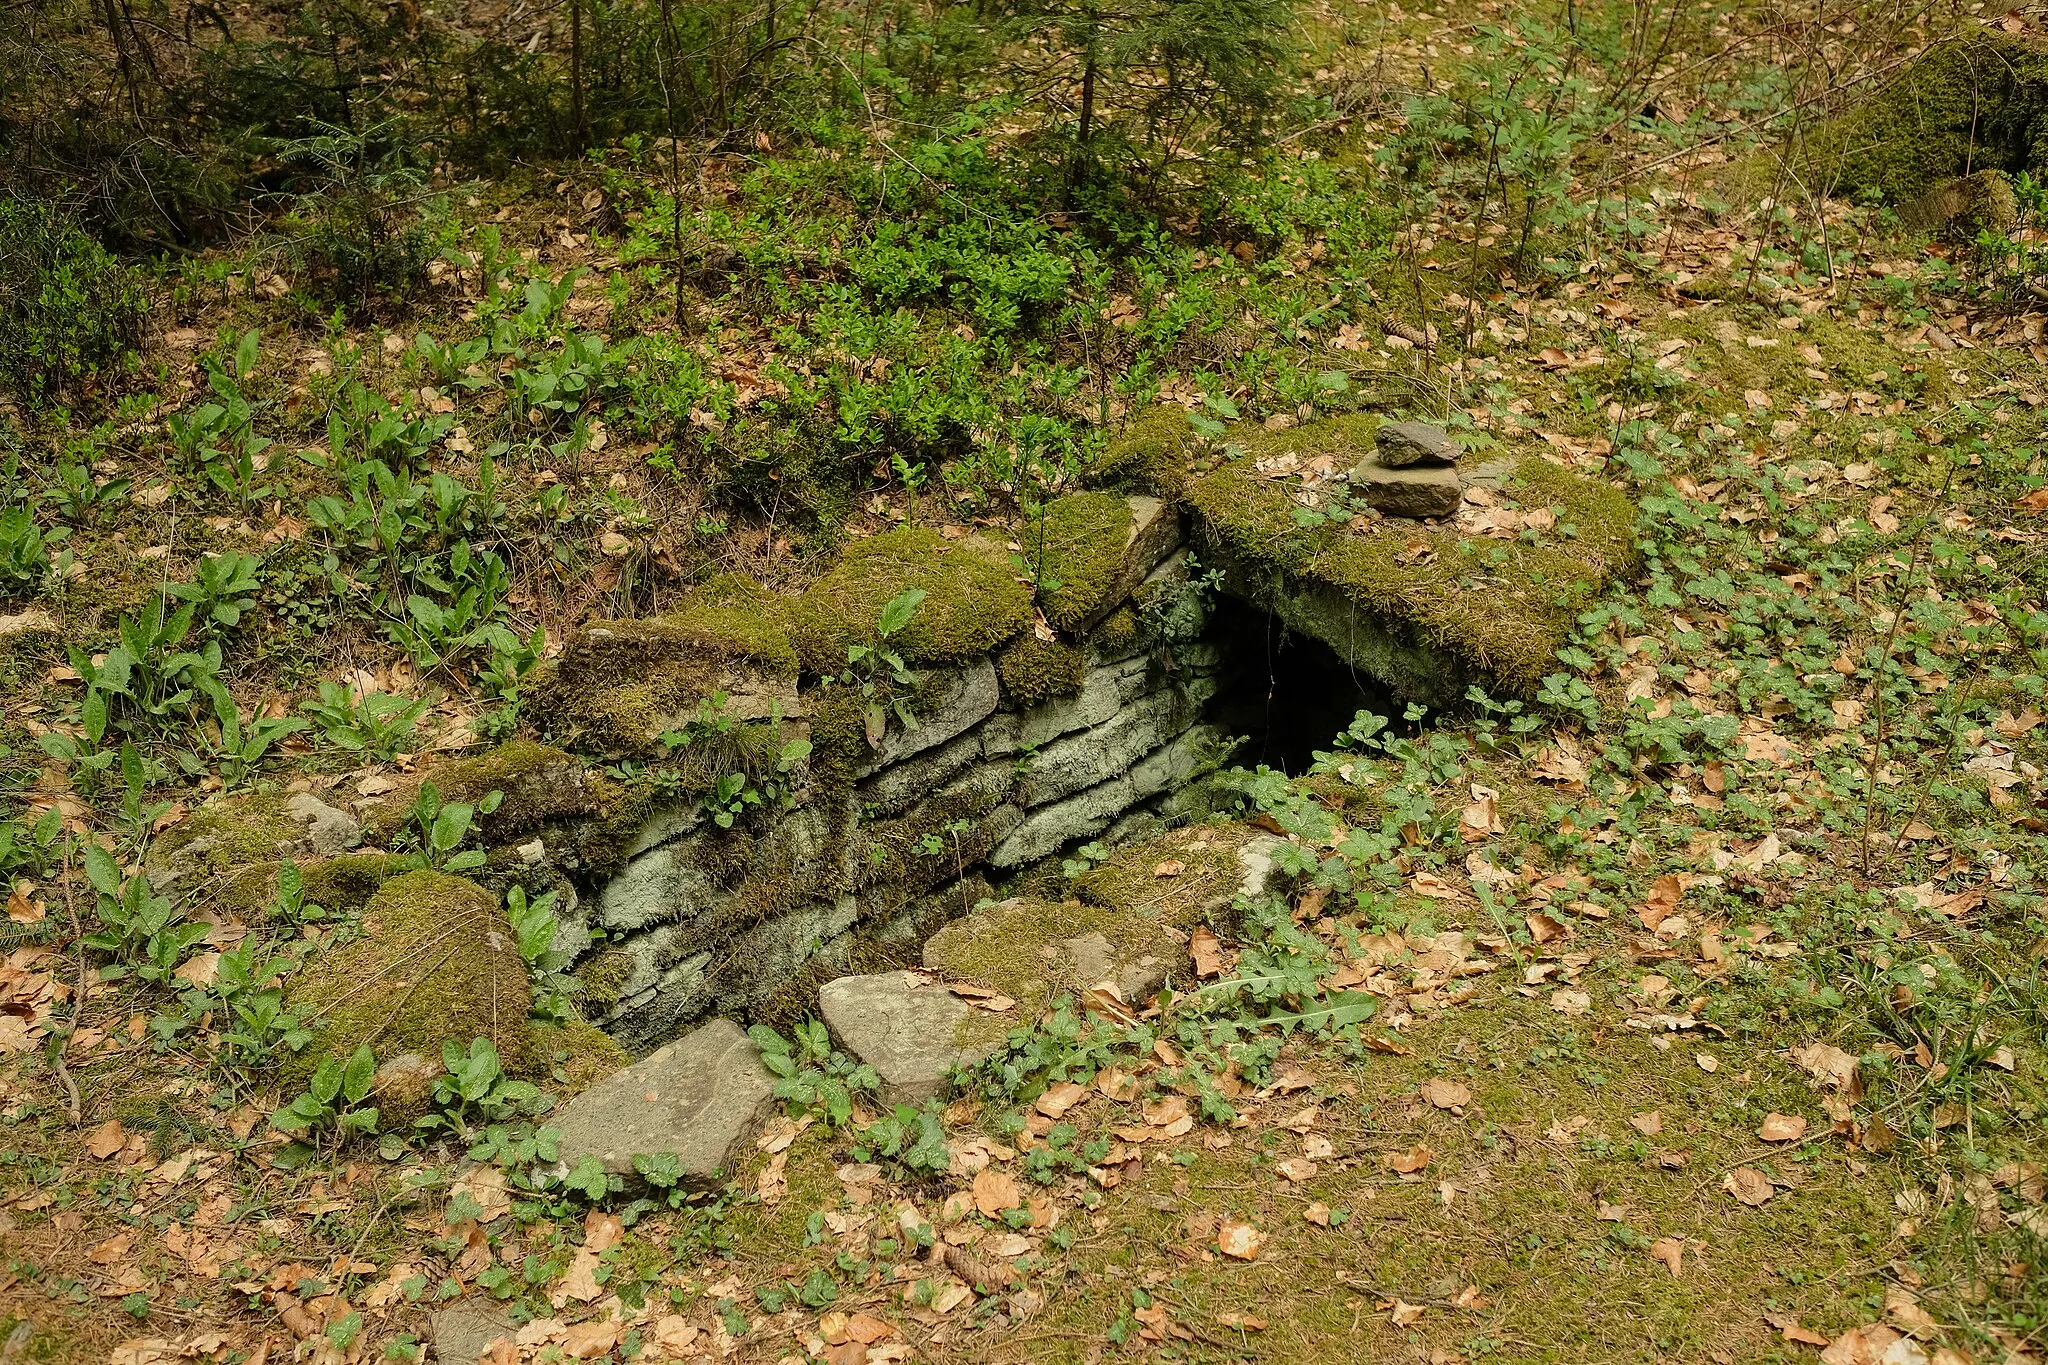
983,784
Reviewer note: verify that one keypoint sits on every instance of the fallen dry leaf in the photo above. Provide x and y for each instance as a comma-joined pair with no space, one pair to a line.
1408,1162
1671,1251
1239,1241
1749,1185
994,1191
1447,1094
1207,951
1782,1127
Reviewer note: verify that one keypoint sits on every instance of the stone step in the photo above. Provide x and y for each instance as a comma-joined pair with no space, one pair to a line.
912,1031
701,1099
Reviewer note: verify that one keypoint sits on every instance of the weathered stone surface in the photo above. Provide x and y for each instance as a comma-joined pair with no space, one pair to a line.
1104,692
328,831
1401,444
462,1333
912,1032
1095,755
896,788
700,1098
1048,828
1421,491
947,705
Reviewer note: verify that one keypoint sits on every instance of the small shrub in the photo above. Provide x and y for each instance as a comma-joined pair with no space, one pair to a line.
68,310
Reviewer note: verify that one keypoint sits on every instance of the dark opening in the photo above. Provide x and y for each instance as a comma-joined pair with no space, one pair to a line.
1289,694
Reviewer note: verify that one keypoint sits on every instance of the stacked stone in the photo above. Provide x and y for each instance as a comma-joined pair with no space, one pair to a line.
1412,472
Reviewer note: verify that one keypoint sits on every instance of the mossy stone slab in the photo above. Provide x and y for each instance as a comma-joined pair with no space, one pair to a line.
619,685
1429,611
700,1099
1094,549
1035,951
910,1030
973,601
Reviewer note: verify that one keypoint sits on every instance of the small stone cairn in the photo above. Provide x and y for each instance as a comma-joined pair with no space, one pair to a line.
1412,472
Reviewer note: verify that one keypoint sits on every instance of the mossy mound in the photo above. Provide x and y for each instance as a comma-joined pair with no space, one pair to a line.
1977,103
1148,456
619,685
1080,555
228,853
1425,610
434,960
1034,670
1180,876
344,885
539,784
972,602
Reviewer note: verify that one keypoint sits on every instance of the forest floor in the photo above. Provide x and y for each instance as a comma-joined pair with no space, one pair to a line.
1713,983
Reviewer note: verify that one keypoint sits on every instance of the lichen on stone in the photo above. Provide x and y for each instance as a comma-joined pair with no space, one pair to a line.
972,602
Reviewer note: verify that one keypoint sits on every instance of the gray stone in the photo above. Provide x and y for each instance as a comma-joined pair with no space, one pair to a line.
1255,856
1098,754
701,1098
908,1029
1045,830
463,1332
1423,491
1492,474
1105,690
328,831
949,702
666,883
1401,444
896,788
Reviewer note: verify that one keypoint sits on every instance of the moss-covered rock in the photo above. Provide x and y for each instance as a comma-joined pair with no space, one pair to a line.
972,602
343,885
619,685
227,853
434,960
1078,551
1961,209
1034,670
1036,951
1977,103
1425,610
539,786
1148,456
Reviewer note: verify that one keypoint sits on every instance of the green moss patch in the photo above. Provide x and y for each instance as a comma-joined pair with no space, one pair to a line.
972,602
619,685
1977,103
1148,456
1426,610
1034,670
1079,551
434,960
